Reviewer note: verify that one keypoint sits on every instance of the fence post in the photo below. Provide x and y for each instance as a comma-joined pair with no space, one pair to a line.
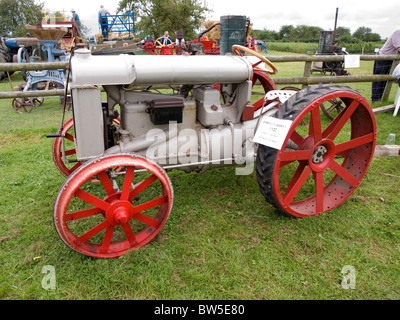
307,70
388,87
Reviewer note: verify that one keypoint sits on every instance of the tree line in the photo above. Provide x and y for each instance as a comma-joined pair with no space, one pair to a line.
303,33
153,17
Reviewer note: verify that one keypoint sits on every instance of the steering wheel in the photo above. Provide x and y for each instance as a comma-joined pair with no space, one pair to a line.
157,42
237,48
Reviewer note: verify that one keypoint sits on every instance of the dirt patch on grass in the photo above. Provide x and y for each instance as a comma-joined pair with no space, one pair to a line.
18,139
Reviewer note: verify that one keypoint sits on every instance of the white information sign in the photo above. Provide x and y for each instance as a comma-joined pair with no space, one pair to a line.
352,61
272,132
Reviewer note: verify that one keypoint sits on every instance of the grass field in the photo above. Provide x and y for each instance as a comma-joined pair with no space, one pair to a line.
222,240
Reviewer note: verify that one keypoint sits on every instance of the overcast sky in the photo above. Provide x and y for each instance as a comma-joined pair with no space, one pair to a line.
381,16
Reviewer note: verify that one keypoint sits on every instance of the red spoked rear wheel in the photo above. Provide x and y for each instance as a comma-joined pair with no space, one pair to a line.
319,165
125,211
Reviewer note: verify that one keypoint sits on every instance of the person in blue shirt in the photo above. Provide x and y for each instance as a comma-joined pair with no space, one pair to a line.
166,40
75,18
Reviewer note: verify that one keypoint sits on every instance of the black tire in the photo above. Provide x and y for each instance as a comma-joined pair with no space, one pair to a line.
267,157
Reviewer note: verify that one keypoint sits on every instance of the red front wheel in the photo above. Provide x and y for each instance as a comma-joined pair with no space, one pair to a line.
319,165
125,211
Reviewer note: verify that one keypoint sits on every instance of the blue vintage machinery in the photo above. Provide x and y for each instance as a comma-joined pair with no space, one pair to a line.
121,25
49,38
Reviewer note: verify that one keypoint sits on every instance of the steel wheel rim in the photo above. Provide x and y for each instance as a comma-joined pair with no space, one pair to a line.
67,131
57,147
354,154
116,210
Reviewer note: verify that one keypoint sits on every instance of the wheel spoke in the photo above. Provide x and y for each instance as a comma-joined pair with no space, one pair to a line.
319,188
92,232
292,192
142,186
256,64
333,106
150,204
127,183
105,180
295,177
70,152
342,172
296,138
315,125
354,143
70,137
290,156
77,165
107,239
89,198
82,214
338,123
129,234
147,220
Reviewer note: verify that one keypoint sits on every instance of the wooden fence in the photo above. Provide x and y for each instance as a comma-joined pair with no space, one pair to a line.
310,59
305,80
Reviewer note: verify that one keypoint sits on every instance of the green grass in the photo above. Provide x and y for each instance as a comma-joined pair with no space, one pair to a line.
222,240
305,47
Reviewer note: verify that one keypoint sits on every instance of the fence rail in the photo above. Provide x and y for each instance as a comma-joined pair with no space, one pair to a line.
306,80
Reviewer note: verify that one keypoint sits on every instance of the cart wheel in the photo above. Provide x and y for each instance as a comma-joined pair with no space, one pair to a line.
332,109
328,160
67,130
23,105
68,103
38,101
125,211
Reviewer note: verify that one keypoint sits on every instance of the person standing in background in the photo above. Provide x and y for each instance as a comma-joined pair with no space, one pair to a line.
391,47
103,20
166,40
75,18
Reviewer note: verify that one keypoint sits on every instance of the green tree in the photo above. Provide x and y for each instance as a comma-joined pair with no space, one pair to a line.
16,14
366,34
372,37
266,35
305,33
153,17
343,31
285,32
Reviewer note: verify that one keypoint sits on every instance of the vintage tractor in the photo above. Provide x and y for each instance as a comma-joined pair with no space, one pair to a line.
116,153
